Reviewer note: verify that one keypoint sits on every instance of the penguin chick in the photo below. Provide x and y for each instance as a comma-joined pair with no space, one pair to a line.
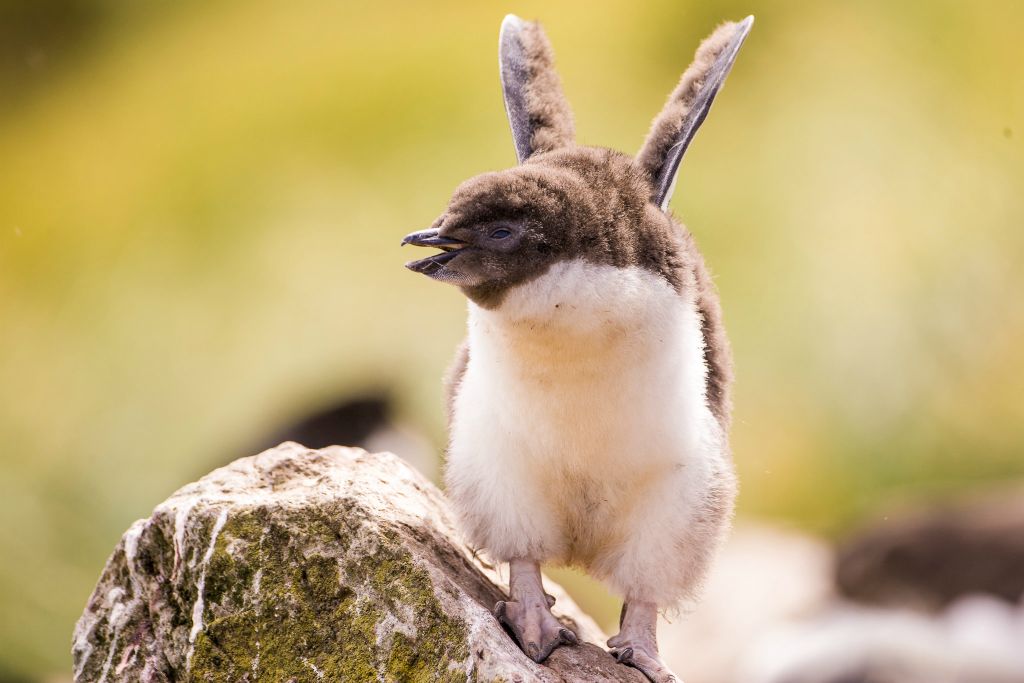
589,405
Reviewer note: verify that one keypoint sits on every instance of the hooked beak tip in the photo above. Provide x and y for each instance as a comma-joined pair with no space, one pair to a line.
430,238
415,237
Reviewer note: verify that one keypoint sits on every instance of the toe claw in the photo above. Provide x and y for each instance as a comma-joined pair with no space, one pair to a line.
649,665
568,637
550,598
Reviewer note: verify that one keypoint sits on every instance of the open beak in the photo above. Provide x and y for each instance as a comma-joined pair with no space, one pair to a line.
449,247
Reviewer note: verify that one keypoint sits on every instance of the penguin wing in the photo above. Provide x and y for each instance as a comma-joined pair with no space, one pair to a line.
717,350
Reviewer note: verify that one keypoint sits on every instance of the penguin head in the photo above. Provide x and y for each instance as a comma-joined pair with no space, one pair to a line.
505,228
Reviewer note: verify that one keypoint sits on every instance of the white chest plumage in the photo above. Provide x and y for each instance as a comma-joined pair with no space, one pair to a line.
583,398
593,362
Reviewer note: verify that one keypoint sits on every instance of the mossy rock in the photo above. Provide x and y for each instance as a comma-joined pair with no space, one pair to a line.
302,565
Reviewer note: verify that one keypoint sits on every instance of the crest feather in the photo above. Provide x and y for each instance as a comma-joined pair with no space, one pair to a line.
537,110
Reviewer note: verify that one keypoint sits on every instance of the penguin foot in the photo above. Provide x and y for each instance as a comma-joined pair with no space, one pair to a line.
640,657
636,644
534,627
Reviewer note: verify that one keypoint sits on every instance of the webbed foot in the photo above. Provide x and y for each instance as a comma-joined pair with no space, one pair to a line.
534,627
636,644
528,614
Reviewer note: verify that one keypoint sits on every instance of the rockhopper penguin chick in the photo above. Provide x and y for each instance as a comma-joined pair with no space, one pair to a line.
589,406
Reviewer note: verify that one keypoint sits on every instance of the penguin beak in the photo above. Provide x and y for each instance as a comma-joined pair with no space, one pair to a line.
449,247
430,238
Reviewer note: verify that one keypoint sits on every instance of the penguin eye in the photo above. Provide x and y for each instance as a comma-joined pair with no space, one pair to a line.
500,234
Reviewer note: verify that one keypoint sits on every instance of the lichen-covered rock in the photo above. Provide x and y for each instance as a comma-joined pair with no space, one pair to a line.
302,565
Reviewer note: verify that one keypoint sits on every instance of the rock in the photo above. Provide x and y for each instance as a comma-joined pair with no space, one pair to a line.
311,565
929,557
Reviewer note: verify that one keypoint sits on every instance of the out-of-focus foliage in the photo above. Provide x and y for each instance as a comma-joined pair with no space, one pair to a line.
200,207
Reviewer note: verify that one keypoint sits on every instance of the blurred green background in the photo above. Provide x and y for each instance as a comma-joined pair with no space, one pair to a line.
201,202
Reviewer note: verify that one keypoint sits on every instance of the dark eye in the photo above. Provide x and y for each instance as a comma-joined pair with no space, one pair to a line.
500,234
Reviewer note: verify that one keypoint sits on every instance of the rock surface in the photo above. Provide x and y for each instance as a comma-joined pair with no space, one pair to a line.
302,565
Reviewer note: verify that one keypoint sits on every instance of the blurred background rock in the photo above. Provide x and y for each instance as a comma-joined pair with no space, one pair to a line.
200,206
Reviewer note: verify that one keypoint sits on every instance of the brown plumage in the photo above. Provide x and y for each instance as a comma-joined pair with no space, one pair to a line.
666,127
542,119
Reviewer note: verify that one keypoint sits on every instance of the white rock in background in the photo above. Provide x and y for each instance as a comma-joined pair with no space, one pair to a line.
977,640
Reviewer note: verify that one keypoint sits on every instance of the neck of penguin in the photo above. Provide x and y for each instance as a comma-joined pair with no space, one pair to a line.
589,319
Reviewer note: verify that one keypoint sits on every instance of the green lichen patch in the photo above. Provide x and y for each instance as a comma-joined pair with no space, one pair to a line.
307,597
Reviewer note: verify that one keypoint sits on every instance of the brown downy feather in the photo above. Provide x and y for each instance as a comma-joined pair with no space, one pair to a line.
533,91
666,126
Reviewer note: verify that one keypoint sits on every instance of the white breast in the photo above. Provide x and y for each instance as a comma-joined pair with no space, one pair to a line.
585,387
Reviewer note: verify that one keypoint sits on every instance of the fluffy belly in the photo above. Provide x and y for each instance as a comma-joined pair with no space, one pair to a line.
585,443
571,429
